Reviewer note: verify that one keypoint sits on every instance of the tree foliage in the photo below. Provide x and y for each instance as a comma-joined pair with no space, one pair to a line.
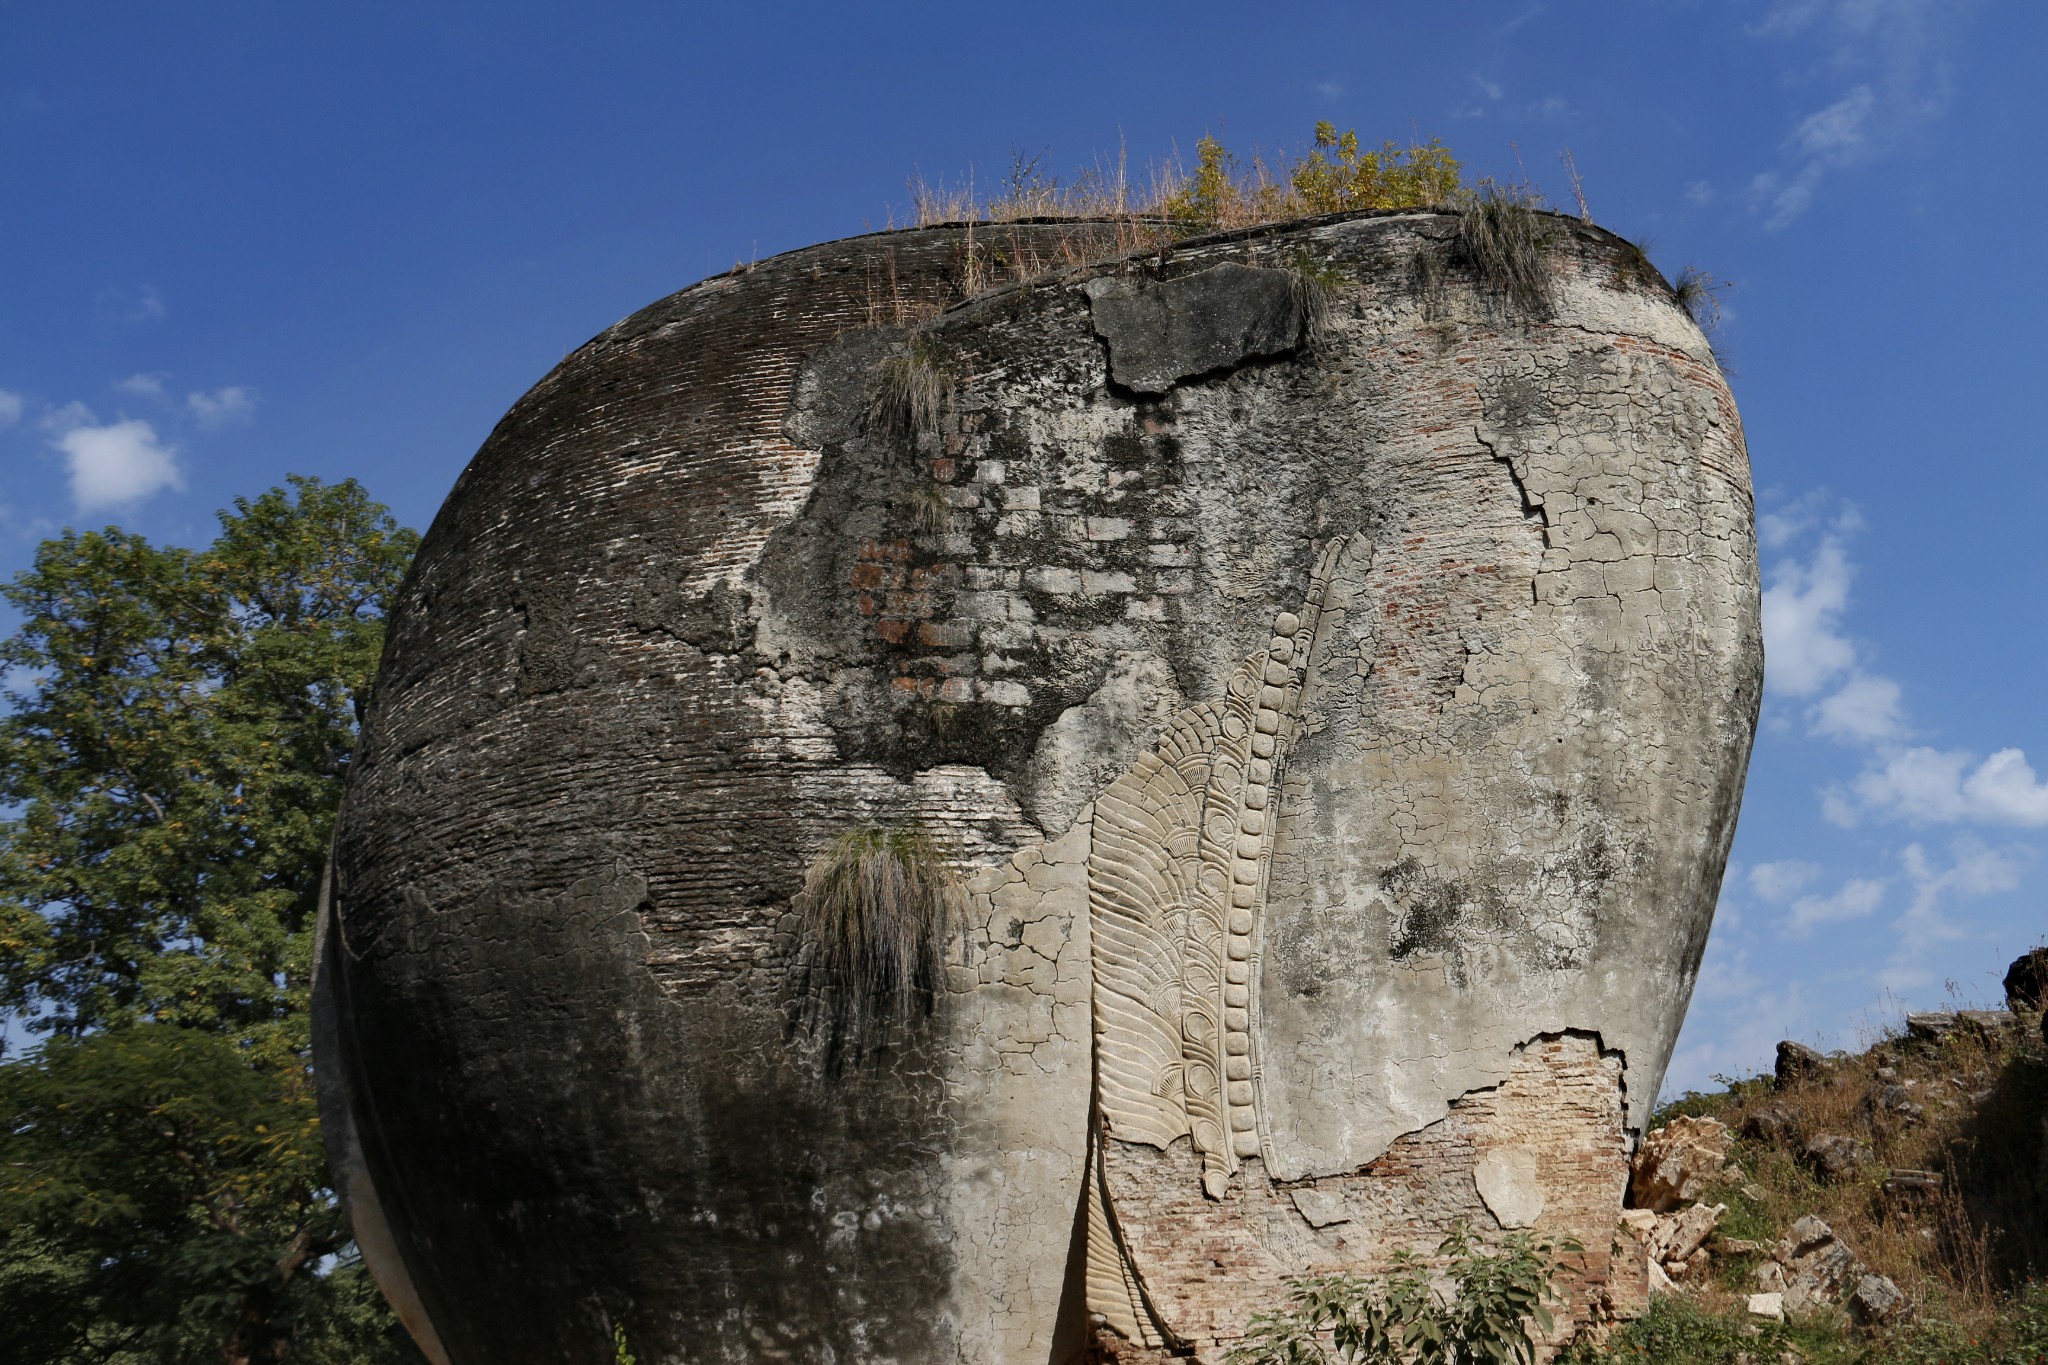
1403,1318
178,726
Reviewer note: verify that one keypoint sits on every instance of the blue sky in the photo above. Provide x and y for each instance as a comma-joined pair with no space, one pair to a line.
241,240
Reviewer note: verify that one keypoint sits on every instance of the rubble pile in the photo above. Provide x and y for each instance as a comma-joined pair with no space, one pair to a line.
1675,1230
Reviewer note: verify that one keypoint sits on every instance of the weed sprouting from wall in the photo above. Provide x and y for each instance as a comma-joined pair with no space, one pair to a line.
910,390
875,912
1504,238
1316,286
1633,267
1699,294
931,512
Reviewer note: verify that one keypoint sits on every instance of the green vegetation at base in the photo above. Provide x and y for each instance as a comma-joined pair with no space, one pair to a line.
1681,1331
170,762
1495,1295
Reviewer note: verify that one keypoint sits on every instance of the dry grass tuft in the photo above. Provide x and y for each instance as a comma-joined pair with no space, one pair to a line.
1503,237
1317,286
1699,294
910,392
1128,212
876,909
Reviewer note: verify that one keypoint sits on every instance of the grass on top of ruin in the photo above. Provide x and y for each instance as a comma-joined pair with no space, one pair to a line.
1219,192
1504,230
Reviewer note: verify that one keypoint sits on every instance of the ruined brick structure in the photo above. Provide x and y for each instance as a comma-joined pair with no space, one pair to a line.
1330,679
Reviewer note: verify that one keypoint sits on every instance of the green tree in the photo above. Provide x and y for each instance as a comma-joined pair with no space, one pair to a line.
179,723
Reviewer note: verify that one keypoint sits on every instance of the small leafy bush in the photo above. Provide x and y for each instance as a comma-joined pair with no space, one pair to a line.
1336,176
2017,1335
1402,1318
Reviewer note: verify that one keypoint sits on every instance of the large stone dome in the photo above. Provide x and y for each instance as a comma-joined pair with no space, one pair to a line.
1327,679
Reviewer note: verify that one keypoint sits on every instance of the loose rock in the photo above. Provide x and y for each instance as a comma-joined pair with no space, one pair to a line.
1677,1162
1875,1299
1915,1186
1987,1021
1773,1125
1833,1157
1804,1236
1679,1235
1797,1063
1931,1025
1770,1306
2026,980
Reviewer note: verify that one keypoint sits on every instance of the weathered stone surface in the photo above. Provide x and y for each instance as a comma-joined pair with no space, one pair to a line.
1832,1156
1805,1235
1339,749
1509,1182
1931,1025
1770,1306
1160,332
1798,1063
1875,1298
1676,1163
1815,1268
2026,981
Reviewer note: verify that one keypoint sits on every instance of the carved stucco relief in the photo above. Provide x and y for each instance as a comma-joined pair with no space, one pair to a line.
1176,882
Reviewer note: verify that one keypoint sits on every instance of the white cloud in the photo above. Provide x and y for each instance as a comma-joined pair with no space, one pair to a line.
217,409
1699,193
61,420
1864,709
10,408
1780,881
117,465
1806,651
1839,133
1803,647
1856,898
1894,56
1936,786
142,303
1975,870
1736,1018
143,385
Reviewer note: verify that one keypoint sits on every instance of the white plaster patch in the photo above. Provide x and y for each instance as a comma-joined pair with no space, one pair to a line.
1508,1182
1320,1207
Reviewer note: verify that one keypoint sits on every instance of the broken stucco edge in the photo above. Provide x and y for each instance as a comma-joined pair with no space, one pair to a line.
1450,1102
